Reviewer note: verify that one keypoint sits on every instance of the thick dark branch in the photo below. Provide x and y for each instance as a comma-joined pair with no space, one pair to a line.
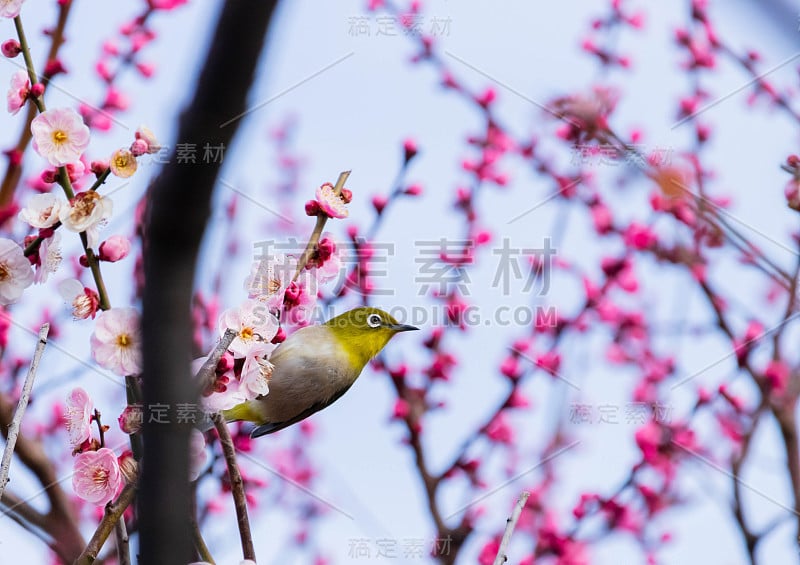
171,247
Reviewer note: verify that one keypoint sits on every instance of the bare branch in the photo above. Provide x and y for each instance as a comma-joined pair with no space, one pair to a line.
123,545
237,487
511,523
205,375
13,428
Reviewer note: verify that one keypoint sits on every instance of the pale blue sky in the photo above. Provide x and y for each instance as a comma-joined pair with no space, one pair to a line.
355,99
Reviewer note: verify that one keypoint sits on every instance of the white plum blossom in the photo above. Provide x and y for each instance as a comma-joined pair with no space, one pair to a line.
86,212
60,136
116,341
269,278
84,301
252,322
197,454
256,371
42,210
49,258
16,273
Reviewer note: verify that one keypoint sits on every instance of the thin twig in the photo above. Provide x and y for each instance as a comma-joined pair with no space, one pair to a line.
205,375
511,523
199,543
237,487
13,428
123,545
113,514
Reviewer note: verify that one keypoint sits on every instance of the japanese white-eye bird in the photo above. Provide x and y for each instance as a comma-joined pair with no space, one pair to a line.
315,366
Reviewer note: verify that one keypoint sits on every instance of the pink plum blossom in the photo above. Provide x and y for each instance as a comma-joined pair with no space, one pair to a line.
116,341
331,203
10,8
60,136
79,417
97,476
144,134
15,271
18,91
131,419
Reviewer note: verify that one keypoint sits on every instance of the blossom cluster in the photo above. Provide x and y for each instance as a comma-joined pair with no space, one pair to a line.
98,472
281,292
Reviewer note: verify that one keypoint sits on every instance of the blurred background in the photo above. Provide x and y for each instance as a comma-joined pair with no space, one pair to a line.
342,87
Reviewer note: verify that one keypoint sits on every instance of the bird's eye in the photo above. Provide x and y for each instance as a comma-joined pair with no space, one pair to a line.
374,320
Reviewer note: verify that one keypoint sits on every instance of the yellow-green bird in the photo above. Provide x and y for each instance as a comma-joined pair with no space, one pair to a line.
315,366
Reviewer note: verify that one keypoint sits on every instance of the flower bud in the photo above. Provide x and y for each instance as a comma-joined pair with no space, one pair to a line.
84,261
14,157
225,363
792,193
49,176
413,190
37,90
379,203
114,248
409,149
326,248
139,147
280,337
99,167
54,67
347,195
11,48
312,208
75,170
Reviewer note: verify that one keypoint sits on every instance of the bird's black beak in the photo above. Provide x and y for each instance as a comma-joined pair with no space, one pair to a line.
401,327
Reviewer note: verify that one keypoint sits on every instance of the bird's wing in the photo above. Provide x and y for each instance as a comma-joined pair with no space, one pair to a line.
271,427
310,373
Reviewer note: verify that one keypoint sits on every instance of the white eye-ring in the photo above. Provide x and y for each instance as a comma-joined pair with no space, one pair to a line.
374,320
